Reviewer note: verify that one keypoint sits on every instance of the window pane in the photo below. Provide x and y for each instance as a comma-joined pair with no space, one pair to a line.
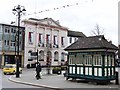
40,39
48,38
55,40
62,41
30,37
70,39
62,56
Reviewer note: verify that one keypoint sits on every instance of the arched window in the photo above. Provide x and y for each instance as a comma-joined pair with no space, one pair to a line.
62,56
56,56
49,58
49,54
41,56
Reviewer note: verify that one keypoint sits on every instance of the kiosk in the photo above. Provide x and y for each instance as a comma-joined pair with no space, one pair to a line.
92,58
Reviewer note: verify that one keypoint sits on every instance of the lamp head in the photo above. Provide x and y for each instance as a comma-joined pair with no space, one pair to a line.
14,10
24,9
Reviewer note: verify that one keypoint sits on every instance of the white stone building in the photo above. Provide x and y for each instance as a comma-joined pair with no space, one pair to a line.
48,37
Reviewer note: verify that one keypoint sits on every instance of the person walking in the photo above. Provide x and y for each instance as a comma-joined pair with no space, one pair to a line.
38,70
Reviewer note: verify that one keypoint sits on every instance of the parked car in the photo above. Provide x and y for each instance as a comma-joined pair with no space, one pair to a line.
10,69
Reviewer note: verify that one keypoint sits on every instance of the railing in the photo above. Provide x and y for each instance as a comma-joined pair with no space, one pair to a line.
92,72
49,45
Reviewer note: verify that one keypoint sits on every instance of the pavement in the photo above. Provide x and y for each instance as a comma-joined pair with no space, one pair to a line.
54,81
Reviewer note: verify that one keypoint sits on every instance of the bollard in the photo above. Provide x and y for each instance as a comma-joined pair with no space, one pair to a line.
117,78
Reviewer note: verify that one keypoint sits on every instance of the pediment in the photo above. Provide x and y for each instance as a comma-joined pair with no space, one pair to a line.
50,21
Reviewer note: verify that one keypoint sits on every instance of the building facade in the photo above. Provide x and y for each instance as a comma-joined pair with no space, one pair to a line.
73,36
47,37
8,45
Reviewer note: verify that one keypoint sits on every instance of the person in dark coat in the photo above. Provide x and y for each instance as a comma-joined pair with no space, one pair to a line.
38,70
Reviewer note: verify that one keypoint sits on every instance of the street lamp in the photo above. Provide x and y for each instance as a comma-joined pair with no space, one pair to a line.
18,11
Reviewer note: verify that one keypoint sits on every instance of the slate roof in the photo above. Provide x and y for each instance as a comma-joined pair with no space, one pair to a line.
75,34
93,42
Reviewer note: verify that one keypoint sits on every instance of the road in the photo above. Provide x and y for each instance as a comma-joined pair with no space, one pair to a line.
5,83
8,84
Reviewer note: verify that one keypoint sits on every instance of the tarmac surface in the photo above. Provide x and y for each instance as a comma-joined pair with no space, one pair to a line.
54,81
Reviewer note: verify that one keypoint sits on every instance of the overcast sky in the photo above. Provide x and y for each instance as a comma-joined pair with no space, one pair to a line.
78,15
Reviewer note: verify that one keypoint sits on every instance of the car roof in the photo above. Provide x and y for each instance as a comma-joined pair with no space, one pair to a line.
10,65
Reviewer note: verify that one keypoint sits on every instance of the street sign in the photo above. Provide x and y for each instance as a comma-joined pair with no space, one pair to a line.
34,55
118,62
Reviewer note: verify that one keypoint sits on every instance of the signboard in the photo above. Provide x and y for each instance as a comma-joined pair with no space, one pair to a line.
118,62
34,57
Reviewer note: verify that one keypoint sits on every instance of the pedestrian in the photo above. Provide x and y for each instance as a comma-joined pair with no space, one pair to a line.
38,70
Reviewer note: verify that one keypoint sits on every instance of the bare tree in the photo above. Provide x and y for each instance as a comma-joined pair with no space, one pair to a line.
98,30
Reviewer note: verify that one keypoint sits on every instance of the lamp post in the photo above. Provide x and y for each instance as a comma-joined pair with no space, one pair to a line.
18,11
